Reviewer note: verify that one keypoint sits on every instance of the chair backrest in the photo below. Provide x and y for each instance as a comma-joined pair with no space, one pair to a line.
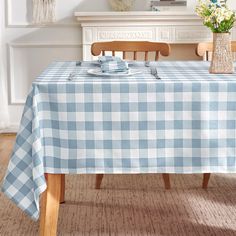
131,46
203,49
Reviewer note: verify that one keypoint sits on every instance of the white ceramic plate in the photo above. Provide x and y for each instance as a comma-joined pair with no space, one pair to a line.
98,72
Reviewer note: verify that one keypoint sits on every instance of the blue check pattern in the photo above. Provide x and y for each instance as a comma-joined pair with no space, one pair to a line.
183,123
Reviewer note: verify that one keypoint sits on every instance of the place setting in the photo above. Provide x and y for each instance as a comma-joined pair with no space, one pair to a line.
114,66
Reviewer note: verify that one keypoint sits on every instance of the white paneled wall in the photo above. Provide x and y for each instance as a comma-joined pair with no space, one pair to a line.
27,61
26,50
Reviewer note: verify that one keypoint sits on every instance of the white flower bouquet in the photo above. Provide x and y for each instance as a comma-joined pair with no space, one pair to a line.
217,16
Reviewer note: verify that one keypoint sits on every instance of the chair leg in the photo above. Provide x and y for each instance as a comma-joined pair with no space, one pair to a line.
50,206
62,198
166,178
99,178
206,178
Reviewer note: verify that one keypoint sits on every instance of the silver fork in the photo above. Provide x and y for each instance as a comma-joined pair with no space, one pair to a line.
154,72
152,69
73,74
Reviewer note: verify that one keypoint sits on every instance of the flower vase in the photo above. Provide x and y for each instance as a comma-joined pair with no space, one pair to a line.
222,59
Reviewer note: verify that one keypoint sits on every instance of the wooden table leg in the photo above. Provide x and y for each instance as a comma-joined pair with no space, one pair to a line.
99,178
206,178
62,198
50,206
166,178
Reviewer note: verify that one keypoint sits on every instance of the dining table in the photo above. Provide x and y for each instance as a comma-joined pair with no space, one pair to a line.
75,121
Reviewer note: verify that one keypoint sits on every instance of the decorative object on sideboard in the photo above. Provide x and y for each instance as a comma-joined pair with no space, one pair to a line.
44,11
220,19
121,5
168,5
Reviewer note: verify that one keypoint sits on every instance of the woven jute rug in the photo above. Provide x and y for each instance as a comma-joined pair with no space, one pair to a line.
136,205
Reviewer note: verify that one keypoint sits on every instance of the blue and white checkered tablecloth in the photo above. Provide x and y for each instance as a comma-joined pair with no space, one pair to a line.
183,123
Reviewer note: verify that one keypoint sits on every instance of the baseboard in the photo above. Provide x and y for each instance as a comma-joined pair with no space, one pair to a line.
11,129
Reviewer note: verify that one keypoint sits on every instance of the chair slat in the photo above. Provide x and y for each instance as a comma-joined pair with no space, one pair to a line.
146,56
124,55
157,56
135,56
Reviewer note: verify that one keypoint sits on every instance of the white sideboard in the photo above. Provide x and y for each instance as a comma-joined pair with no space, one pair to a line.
179,27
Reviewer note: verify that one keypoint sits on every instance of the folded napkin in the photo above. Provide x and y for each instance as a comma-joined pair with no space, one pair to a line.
114,66
108,58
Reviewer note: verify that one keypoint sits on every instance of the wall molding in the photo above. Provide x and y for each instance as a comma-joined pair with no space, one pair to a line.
52,25
11,78
11,128
138,16
44,44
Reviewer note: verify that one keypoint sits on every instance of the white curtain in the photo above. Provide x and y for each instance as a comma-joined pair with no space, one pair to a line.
4,116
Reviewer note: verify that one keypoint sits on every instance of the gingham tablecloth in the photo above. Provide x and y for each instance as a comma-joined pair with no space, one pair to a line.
183,123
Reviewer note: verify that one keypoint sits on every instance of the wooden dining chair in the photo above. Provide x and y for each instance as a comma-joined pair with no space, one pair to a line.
205,50
133,47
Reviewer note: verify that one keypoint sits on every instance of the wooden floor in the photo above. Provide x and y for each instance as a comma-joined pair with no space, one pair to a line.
6,145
